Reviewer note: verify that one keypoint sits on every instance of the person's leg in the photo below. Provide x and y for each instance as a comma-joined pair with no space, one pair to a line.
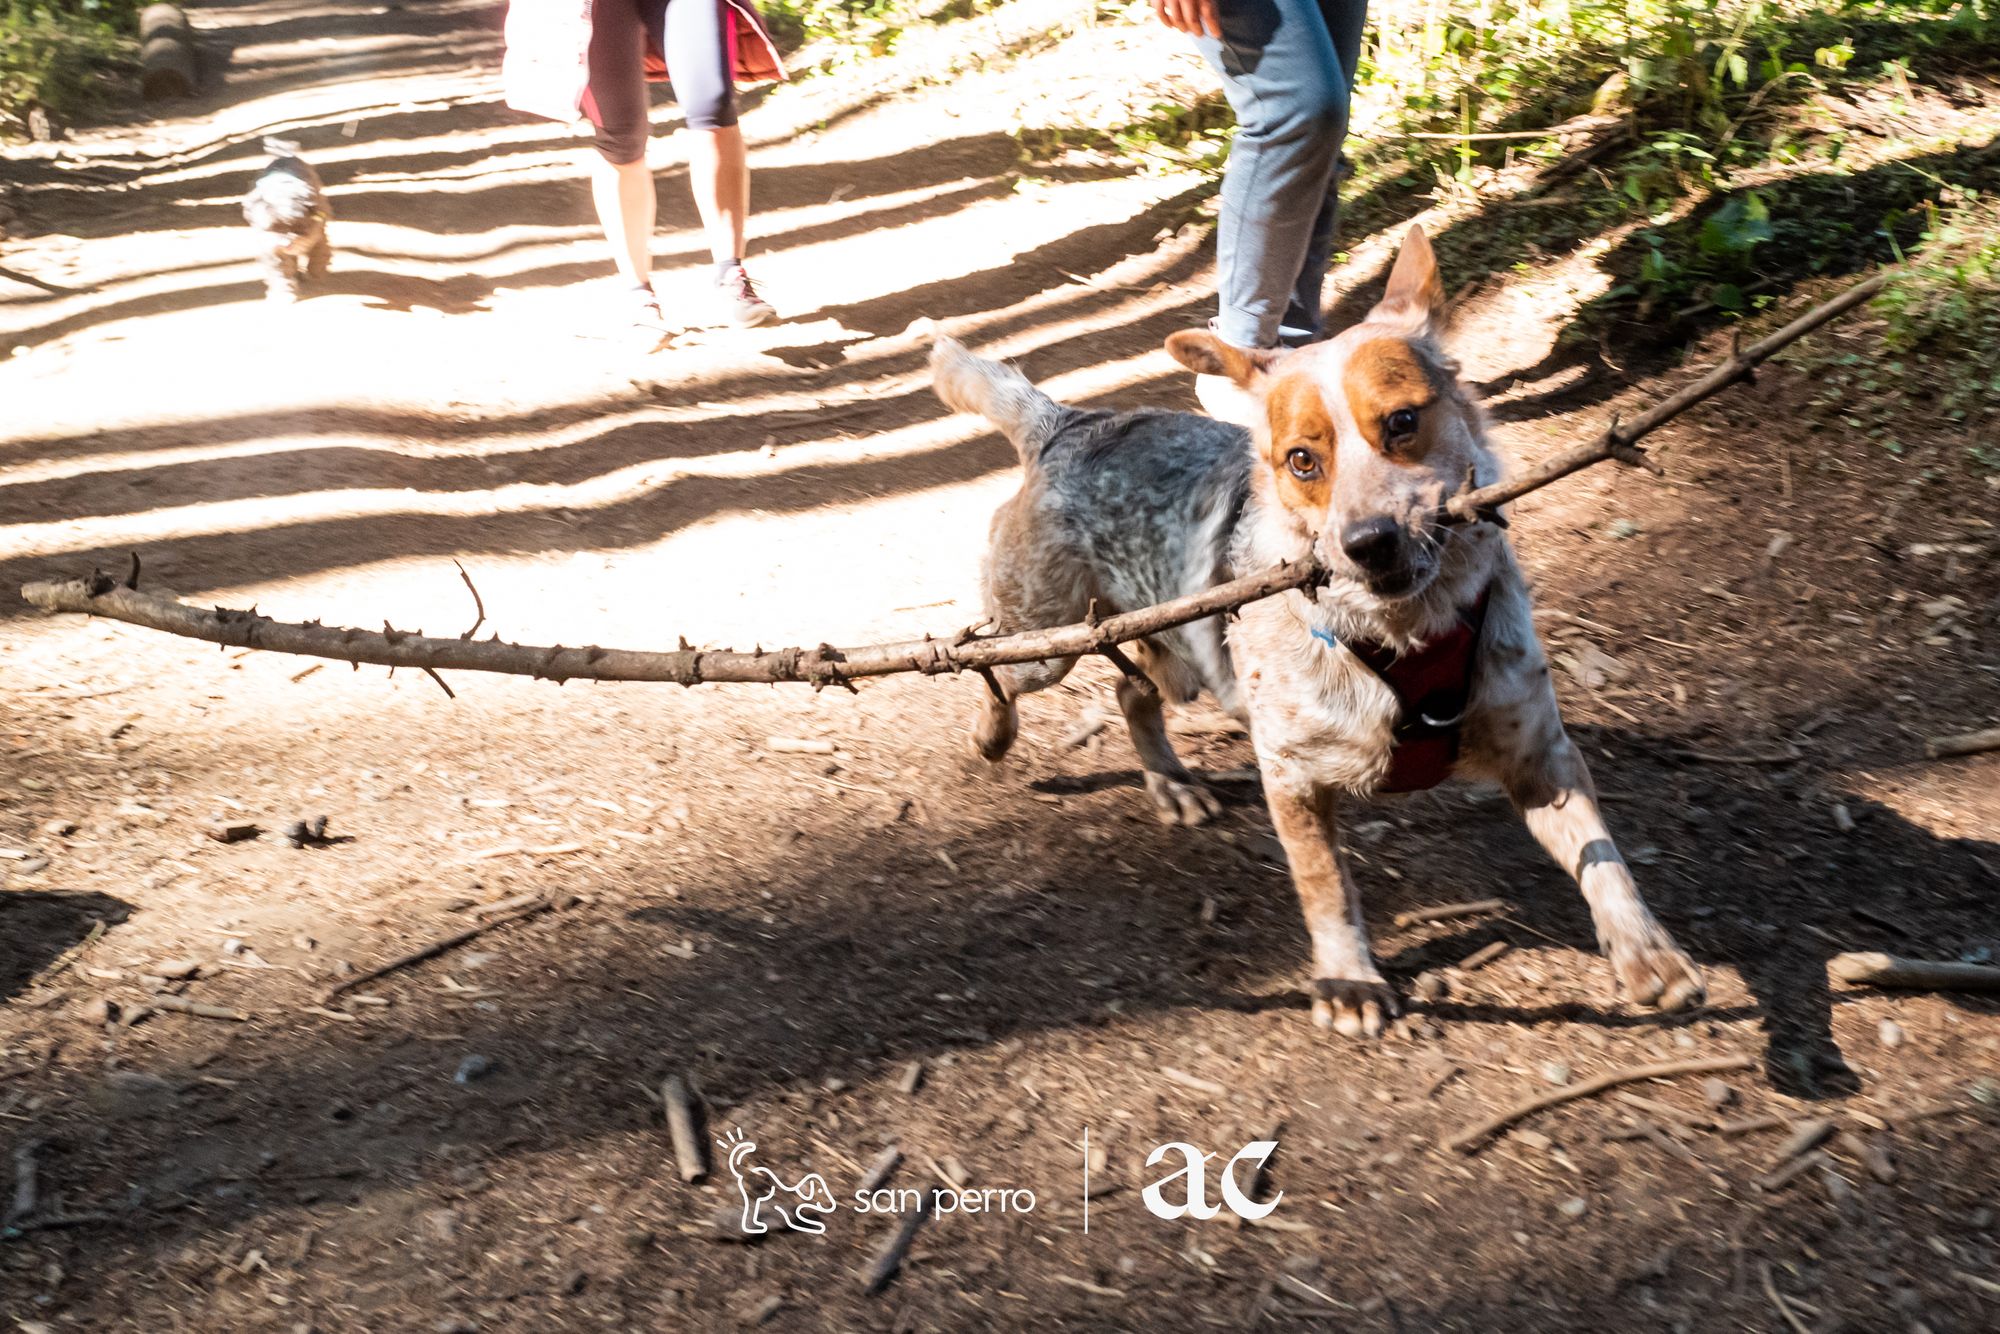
1284,78
620,184
697,49
1302,321
721,180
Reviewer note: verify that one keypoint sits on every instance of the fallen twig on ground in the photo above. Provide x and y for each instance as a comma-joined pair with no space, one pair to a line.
198,1009
27,1182
53,1222
1806,1136
1788,755
684,1128
39,284
1784,1175
1195,1082
1778,1300
880,1170
1470,1139
437,947
889,1259
1966,743
1889,970
1444,912
102,595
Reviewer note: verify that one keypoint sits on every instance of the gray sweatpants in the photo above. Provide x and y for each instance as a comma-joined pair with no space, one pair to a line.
1287,67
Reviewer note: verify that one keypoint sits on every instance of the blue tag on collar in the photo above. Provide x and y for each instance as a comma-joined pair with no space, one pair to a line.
1325,637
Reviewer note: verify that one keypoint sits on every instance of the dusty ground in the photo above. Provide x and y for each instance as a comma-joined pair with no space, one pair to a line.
1754,652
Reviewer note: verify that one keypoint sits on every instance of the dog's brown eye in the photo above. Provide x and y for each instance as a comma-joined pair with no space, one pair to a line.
1304,466
1401,422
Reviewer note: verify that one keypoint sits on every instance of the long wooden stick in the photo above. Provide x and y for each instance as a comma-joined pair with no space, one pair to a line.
820,666
101,595
437,947
1465,1141
1619,438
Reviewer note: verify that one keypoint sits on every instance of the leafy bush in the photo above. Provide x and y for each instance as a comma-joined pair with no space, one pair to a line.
1941,311
1170,137
1707,67
1946,295
850,30
59,54
1702,91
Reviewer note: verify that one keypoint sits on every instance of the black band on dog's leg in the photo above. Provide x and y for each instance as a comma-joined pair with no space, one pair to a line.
992,683
1597,852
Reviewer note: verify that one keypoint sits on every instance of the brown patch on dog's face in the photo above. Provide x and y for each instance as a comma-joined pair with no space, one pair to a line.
1392,394
1302,445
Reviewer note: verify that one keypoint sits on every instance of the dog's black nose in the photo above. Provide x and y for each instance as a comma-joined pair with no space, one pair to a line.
1373,544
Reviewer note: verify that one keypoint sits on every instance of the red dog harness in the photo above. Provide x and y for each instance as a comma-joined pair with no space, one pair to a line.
1432,685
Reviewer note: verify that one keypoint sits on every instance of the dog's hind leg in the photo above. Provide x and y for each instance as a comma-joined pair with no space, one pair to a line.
1177,797
319,257
999,721
1028,583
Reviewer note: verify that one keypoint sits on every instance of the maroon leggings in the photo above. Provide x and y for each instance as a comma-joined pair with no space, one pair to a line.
696,43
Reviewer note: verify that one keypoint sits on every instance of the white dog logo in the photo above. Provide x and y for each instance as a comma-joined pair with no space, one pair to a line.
761,1186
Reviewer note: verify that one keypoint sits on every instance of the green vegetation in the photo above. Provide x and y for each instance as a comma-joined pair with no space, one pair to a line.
1722,112
853,28
841,32
1941,316
1170,137
59,54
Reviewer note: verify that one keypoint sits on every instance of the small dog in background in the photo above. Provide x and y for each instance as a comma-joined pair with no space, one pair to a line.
287,208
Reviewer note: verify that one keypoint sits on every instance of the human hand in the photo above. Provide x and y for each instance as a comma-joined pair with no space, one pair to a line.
1195,17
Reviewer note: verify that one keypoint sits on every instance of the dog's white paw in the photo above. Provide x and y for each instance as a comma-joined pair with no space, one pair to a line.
1652,970
1354,1007
1175,802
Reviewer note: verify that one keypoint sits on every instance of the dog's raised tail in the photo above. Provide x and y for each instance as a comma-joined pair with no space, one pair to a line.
1001,394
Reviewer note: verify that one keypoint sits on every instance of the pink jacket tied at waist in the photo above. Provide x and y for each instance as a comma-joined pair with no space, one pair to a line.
547,64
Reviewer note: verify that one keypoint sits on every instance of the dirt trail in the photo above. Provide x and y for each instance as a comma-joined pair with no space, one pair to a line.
793,929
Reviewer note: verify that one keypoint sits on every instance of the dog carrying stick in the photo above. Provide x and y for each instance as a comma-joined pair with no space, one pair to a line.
104,596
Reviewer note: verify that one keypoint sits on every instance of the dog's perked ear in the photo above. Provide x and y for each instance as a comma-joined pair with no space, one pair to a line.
1205,354
1414,300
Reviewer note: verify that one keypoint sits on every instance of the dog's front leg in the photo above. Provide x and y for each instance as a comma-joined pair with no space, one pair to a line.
1349,995
1552,790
